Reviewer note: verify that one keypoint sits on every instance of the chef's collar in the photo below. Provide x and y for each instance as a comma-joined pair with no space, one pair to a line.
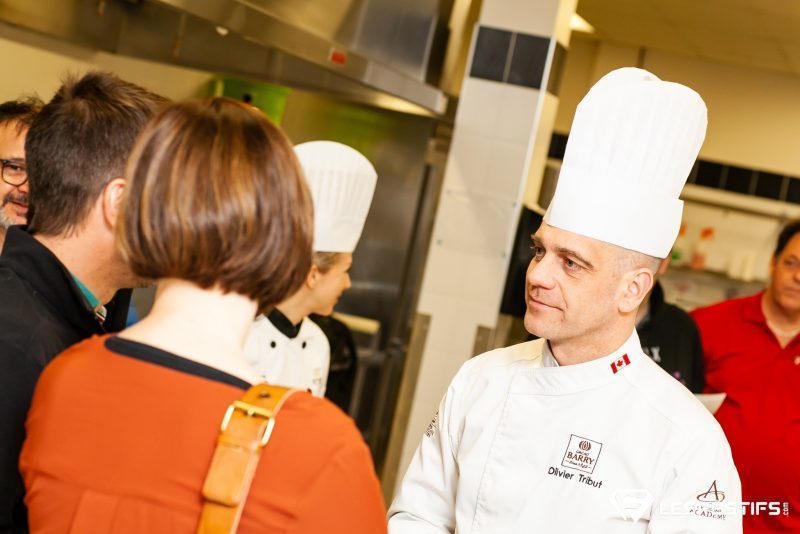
283,324
552,379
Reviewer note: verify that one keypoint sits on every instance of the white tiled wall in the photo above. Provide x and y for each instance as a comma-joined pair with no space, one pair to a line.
516,114
505,111
478,211
481,119
530,16
486,165
538,158
474,222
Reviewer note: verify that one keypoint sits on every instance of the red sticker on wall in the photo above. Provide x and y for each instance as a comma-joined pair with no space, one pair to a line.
337,56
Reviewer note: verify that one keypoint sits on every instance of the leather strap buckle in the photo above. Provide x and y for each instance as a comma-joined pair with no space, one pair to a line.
250,410
245,429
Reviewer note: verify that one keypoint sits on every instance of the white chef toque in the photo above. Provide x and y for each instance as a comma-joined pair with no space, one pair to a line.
632,145
342,182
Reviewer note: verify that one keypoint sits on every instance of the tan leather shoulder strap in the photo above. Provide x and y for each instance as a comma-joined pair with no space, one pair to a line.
246,428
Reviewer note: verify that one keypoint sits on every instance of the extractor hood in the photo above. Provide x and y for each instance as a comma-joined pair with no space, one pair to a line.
371,51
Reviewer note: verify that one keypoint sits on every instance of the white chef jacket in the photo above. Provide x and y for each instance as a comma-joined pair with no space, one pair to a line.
520,444
300,362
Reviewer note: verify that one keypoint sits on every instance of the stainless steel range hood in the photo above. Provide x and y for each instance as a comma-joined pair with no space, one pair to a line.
370,51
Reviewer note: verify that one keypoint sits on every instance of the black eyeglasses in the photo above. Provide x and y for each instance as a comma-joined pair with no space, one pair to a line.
14,172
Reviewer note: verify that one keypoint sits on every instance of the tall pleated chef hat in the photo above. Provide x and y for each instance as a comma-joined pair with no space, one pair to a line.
342,182
632,145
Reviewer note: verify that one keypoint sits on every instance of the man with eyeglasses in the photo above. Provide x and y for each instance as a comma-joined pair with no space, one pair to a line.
16,117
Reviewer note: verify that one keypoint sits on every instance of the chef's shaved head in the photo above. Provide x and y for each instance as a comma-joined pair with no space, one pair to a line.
630,260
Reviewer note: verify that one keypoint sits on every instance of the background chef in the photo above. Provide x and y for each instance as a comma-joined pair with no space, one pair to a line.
284,346
580,431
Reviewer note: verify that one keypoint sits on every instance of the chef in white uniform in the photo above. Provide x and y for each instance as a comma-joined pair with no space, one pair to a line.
285,346
580,432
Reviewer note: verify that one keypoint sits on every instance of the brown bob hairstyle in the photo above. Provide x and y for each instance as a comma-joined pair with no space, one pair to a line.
216,197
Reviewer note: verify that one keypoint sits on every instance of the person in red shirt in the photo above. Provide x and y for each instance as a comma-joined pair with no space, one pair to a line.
752,353
122,428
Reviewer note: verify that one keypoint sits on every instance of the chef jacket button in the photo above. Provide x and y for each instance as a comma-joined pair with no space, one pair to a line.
273,344
304,344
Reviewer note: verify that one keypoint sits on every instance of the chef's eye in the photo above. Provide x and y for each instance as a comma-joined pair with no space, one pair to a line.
538,251
572,265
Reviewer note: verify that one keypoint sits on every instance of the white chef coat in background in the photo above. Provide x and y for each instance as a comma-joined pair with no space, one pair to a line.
301,362
520,445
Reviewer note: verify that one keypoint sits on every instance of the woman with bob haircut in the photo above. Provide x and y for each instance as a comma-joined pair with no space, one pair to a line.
122,430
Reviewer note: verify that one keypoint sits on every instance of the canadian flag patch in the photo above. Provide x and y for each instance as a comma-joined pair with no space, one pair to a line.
620,363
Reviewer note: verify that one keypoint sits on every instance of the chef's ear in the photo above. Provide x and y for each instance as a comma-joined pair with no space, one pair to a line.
636,286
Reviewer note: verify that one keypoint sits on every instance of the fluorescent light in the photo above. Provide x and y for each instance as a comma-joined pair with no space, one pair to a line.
579,24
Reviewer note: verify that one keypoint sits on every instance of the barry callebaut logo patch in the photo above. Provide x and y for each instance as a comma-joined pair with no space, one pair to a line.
582,454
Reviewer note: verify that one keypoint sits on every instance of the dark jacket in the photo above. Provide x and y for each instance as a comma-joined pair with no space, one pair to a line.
670,337
42,312
344,361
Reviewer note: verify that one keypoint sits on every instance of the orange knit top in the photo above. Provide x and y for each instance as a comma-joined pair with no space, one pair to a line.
120,437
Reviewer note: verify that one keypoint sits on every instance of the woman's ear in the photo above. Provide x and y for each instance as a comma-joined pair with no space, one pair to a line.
312,279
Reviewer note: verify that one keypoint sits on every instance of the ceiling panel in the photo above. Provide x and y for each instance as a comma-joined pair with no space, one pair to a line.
777,8
792,54
756,33
784,29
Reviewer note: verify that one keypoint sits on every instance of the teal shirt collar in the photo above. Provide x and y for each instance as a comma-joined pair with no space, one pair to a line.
93,302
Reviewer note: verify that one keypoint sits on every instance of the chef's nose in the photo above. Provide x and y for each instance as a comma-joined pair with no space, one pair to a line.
540,272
